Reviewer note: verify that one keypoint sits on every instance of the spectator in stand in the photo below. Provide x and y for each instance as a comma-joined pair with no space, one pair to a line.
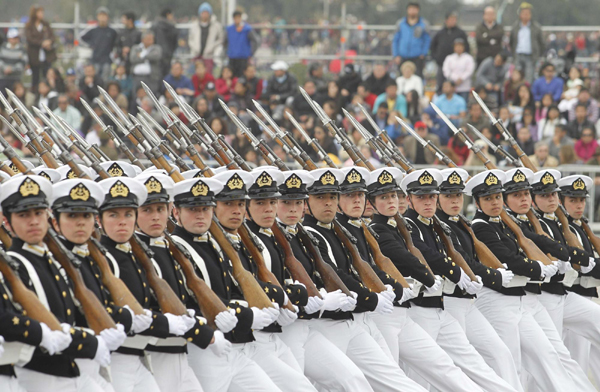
201,107
220,128
559,139
526,41
476,118
240,95
575,127
573,84
46,96
225,83
395,101
124,80
459,149
241,42
586,147
452,105
442,44
350,80
491,74
414,151
488,35
253,83
472,159
512,85
41,52
128,37
411,40
524,141
332,93
55,80
212,100
541,156
542,110
102,40
206,38
381,118
490,100
281,85
592,110
378,80
325,140
88,84
367,96
315,73
528,121
68,112
459,67
145,61
26,96
547,83
113,88
546,126
523,100
13,59
409,81
301,107
567,155
166,35
201,77
413,106
181,83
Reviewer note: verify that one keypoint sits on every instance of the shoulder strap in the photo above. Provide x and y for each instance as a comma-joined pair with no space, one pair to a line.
111,259
478,220
198,260
413,225
35,279
329,251
265,252
549,231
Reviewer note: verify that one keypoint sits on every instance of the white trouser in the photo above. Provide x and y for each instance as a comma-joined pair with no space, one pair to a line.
555,306
33,381
582,332
411,344
448,334
130,375
173,373
10,384
382,373
530,347
579,378
484,338
91,368
233,372
323,363
366,321
277,360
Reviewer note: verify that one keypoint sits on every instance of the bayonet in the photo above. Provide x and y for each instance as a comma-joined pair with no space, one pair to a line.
495,149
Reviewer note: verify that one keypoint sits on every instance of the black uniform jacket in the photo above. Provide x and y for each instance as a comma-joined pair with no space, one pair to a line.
575,226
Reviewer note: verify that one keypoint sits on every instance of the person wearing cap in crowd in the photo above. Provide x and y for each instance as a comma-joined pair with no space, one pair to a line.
117,218
422,189
347,334
531,349
24,202
407,340
194,202
13,59
322,362
414,151
240,95
74,207
458,67
584,348
169,356
282,85
206,36
241,42
478,330
212,100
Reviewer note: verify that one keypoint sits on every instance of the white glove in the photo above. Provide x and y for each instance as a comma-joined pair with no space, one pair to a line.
474,287
314,305
384,304
1,346
114,337
141,322
178,325
221,346
436,285
507,276
350,303
563,266
286,317
262,317
407,295
226,320
389,293
102,353
464,280
586,270
548,270
55,341
299,284
333,300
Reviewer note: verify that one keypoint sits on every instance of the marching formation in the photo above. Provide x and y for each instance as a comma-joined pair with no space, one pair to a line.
120,277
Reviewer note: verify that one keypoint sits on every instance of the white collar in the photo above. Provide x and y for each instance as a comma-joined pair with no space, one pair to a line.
81,250
392,222
523,217
327,226
160,242
551,216
495,219
124,247
234,237
355,222
266,231
202,238
425,221
39,250
577,222
453,218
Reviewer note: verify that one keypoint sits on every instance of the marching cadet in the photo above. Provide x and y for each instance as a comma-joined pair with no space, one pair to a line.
517,198
118,212
531,349
406,339
479,331
582,339
24,202
422,190
194,202
347,334
320,359
74,207
169,356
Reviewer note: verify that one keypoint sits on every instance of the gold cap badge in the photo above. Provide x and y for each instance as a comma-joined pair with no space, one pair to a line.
579,185
264,180
153,185
455,179
71,174
199,189
45,175
547,179
29,188
13,167
293,182
491,179
385,178
119,190
519,176
353,176
327,178
235,182
115,170
426,179
79,192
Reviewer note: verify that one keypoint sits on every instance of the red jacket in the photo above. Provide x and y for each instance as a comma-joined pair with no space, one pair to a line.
200,84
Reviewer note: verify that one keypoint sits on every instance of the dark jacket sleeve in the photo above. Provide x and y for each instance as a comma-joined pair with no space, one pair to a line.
18,328
387,279
273,291
244,316
516,263
120,316
200,334
548,245
83,345
297,294
159,327
439,264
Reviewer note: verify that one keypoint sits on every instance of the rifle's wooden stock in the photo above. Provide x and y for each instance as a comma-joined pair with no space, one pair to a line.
528,246
402,226
382,261
5,237
451,251
594,240
484,254
570,237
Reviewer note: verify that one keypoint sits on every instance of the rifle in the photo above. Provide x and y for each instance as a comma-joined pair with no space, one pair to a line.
495,149
382,261
594,240
484,254
314,143
23,296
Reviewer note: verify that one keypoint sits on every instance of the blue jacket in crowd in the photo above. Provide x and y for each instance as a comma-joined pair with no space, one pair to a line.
239,44
411,41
